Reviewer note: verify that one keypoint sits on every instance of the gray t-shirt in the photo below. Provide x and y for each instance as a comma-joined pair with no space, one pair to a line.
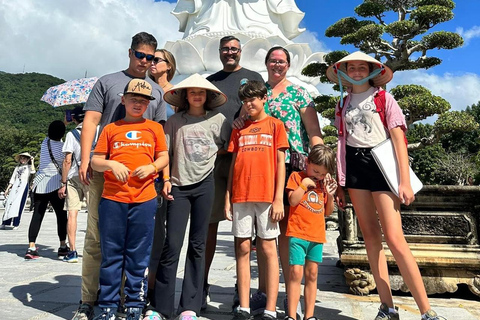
193,143
105,99
228,83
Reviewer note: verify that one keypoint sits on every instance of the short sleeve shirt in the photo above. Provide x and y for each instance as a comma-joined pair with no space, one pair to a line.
72,145
133,144
255,169
193,143
106,99
286,107
307,219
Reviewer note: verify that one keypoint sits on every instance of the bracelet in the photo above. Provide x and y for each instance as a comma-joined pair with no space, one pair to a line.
166,178
153,164
301,185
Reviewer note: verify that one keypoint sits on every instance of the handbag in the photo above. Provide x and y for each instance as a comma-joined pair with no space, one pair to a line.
297,161
385,157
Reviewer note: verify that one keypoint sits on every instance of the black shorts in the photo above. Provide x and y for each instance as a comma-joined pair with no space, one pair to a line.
363,172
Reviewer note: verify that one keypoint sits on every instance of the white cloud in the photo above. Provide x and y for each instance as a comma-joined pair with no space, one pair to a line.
460,90
469,34
312,39
65,38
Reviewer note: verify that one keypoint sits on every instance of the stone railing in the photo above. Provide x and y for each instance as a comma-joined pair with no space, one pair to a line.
442,229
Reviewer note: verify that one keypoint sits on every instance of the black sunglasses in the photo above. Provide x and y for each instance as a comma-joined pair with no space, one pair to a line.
158,59
141,55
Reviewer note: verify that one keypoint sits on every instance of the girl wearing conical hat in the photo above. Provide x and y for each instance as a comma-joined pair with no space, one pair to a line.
17,190
195,134
362,124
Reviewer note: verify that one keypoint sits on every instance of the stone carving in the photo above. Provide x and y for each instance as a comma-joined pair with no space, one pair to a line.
442,229
360,282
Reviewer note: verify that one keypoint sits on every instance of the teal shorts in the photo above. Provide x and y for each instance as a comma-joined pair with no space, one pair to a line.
301,250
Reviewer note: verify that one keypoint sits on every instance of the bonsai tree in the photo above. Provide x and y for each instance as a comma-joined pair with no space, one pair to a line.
406,49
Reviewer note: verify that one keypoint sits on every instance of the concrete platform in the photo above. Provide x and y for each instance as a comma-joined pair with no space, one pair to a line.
49,289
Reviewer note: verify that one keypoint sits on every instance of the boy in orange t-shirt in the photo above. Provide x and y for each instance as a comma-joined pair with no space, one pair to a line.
310,194
255,187
130,152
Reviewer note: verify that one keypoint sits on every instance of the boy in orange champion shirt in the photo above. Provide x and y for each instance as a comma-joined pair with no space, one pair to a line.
130,152
310,194
255,187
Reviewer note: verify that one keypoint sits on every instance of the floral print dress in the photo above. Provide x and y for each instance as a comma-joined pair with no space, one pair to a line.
286,107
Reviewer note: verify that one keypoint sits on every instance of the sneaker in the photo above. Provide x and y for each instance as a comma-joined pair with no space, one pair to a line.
15,228
258,302
384,313
153,315
267,316
62,252
236,299
187,317
288,318
312,318
241,315
106,314
206,297
71,257
32,254
121,312
299,307
84,312
432,315
2,227
134,314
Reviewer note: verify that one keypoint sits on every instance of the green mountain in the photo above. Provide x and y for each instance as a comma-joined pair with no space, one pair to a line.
24,119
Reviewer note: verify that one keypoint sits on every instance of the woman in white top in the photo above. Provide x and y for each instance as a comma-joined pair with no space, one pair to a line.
17,190
45,187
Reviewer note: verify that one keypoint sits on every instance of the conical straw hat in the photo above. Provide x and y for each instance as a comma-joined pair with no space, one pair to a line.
177,95
25,154
381,79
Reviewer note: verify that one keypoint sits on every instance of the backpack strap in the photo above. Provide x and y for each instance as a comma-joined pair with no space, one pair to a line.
380,103
340,115
76,134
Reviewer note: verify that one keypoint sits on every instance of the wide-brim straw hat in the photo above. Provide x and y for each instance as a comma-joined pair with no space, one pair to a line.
380,80
177,95
25,154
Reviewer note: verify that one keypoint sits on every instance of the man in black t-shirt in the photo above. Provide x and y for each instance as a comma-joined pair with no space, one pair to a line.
228,80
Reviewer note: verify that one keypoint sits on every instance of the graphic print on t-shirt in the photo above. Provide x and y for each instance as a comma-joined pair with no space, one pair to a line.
197,144
360,118
312,202
255,141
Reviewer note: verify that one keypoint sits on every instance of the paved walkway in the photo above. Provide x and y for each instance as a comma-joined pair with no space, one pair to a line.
50,289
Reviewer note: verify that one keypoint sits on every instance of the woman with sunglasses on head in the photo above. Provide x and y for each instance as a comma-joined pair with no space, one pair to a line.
162,72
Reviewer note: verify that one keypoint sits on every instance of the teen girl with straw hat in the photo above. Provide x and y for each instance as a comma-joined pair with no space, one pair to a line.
360,128
195,133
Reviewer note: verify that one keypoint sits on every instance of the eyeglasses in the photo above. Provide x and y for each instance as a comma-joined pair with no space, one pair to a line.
229,49
158,60
141,55
279,62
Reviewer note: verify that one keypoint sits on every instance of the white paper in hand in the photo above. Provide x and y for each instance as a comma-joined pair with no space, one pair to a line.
384,155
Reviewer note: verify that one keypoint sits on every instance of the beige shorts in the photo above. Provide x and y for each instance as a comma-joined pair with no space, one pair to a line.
76,191
248,215
222,168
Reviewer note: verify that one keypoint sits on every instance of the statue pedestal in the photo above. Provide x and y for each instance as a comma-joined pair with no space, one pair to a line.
442,229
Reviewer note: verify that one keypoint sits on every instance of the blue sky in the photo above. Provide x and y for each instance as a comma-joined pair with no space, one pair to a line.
71,38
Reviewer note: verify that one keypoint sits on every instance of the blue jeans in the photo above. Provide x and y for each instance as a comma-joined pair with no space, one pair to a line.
126,234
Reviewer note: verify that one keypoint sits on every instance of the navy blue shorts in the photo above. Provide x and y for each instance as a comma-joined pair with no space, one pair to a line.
363,172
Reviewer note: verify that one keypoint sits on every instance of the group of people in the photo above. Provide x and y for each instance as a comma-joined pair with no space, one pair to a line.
259,146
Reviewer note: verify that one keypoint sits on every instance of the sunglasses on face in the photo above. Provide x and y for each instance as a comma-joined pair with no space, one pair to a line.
158,60
141,55
229,49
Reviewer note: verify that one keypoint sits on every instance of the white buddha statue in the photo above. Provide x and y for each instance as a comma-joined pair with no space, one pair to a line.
264,18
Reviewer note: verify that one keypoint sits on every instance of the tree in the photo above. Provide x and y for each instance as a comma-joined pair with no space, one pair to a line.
402,45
